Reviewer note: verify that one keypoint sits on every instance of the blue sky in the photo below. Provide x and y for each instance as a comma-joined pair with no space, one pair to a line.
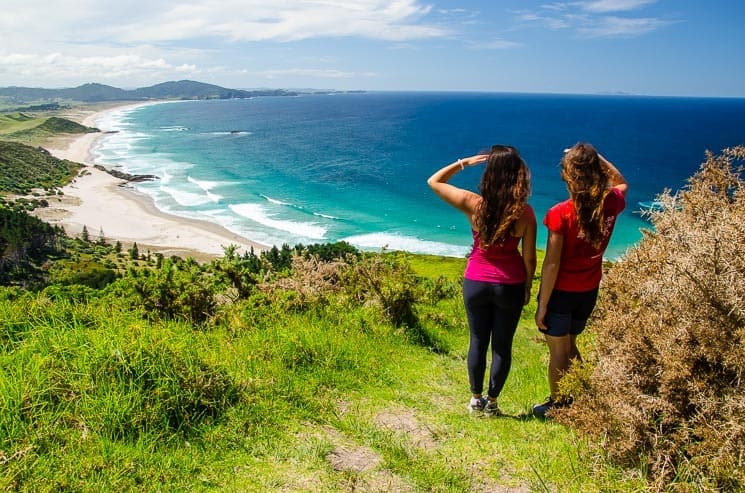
654,47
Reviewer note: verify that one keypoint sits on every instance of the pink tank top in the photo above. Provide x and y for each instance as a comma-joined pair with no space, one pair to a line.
500,263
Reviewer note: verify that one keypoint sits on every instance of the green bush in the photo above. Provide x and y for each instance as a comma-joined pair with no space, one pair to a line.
157,388
387,282
84,272
178,289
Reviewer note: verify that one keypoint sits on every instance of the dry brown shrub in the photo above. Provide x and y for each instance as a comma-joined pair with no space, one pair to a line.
666,390
310,283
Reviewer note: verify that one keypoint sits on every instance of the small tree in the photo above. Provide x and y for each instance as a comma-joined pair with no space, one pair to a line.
101,238
84,236
134,253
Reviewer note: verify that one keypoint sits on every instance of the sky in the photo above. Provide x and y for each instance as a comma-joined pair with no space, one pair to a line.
647,47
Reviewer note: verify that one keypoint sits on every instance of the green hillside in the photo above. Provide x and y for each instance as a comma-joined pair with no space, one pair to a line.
23,168
58,125
17,122
21,127
271,373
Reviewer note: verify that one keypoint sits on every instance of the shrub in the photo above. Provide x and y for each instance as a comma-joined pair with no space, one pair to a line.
311,281
667,391
178,289
384,280
160,389
84,272
387,282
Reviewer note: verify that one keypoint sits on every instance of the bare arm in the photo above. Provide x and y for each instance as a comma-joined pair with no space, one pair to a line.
549,273
615,177
457,197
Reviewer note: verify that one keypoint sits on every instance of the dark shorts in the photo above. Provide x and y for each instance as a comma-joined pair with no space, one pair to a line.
568,312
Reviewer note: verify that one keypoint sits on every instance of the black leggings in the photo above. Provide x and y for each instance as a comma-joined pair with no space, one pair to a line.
493,312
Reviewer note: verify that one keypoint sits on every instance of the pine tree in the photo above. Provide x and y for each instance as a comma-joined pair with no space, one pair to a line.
134,253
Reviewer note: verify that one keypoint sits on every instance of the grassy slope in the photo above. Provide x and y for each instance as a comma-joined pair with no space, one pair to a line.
18,122
23,127
320,386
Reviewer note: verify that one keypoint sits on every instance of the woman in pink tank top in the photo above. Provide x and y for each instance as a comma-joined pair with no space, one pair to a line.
499,273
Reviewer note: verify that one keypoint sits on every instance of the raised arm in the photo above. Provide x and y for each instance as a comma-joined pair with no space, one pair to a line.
457,197
616,179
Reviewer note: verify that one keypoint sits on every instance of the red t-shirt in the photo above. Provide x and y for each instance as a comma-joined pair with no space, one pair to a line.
581,264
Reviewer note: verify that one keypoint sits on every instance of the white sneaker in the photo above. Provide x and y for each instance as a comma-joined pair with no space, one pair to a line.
491,408
477,404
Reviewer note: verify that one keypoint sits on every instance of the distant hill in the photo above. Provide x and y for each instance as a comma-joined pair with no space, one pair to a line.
96,93
189,89
86,93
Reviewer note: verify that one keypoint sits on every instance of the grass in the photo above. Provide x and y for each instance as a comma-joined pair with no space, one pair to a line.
22,127
95,398
39,128
18,122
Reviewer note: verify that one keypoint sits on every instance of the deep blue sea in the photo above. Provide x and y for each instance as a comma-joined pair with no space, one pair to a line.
353,167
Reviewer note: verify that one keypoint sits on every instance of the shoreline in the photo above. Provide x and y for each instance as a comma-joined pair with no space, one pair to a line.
104,203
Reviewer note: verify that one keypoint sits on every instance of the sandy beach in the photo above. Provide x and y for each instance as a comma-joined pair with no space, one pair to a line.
101,202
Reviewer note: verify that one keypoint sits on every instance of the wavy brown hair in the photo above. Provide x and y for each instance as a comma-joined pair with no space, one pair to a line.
504,188
587,181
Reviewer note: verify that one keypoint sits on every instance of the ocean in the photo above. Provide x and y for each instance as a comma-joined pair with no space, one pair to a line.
353,166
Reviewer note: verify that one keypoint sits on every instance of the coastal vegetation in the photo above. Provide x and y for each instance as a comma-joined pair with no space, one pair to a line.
324,368
24,168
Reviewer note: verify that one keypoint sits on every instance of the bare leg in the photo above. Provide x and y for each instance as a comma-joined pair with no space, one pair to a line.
573,350
560,356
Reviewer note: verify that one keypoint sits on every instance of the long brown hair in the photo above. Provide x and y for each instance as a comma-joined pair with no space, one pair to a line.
587,181
505,187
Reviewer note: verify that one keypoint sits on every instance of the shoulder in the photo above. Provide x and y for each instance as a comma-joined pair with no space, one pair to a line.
528,215
615,199
559,216
561,209
473,200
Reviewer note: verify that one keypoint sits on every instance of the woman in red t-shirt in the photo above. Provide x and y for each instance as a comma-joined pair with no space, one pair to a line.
578,232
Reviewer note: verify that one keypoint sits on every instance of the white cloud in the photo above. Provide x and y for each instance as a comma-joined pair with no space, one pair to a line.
495,44
621,26
59,67
269,20
308,72
591,18
604,6
145,40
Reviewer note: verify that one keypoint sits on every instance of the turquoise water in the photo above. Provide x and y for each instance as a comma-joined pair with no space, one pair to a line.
353,167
